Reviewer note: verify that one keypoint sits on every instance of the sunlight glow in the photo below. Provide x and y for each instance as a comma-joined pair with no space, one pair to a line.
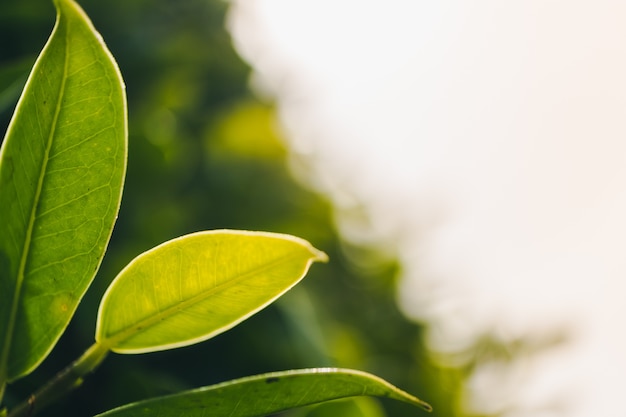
487,140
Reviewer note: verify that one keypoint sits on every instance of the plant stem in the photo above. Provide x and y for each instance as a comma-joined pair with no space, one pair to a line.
64,382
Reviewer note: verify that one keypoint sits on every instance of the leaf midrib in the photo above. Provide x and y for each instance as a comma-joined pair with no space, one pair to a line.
6,349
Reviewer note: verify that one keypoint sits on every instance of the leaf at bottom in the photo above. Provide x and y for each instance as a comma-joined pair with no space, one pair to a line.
265,394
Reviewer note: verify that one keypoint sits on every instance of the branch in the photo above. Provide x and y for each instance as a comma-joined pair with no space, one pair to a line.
63,383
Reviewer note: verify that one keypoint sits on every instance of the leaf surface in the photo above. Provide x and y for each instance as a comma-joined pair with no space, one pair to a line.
197,286
262,395
62,168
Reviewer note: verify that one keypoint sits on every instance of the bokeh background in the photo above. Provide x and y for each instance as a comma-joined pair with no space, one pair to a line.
460,162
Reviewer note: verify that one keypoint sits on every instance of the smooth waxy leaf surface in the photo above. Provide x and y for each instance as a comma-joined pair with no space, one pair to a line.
62,167
266,394
194,287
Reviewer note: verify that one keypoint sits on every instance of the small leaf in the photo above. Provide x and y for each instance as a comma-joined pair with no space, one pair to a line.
192,288
62,167
266,394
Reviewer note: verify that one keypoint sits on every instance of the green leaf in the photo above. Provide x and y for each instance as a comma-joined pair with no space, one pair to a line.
266,394
62,168
194,287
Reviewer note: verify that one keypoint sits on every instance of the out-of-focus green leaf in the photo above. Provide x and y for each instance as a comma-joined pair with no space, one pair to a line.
266,394
62,167
248,130
197,286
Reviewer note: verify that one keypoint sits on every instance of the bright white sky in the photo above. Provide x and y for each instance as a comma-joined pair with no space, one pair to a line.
488,139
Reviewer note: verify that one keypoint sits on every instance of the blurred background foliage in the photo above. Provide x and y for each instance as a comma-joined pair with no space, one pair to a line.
204,154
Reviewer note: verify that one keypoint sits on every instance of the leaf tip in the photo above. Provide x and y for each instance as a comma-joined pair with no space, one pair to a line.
425,406
415,401
319,256
399,394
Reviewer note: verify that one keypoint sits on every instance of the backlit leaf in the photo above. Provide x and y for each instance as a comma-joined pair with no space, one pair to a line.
266,394
192,288
62,167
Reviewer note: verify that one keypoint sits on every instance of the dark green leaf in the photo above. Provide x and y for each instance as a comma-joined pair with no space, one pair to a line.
262,395
62,167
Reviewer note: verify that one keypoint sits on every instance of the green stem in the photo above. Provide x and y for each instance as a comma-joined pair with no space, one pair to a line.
64,382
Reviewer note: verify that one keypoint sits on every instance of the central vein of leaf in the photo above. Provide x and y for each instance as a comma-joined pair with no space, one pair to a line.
6,349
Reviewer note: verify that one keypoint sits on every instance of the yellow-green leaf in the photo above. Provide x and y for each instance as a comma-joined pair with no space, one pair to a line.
194,287
262,395
62,167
